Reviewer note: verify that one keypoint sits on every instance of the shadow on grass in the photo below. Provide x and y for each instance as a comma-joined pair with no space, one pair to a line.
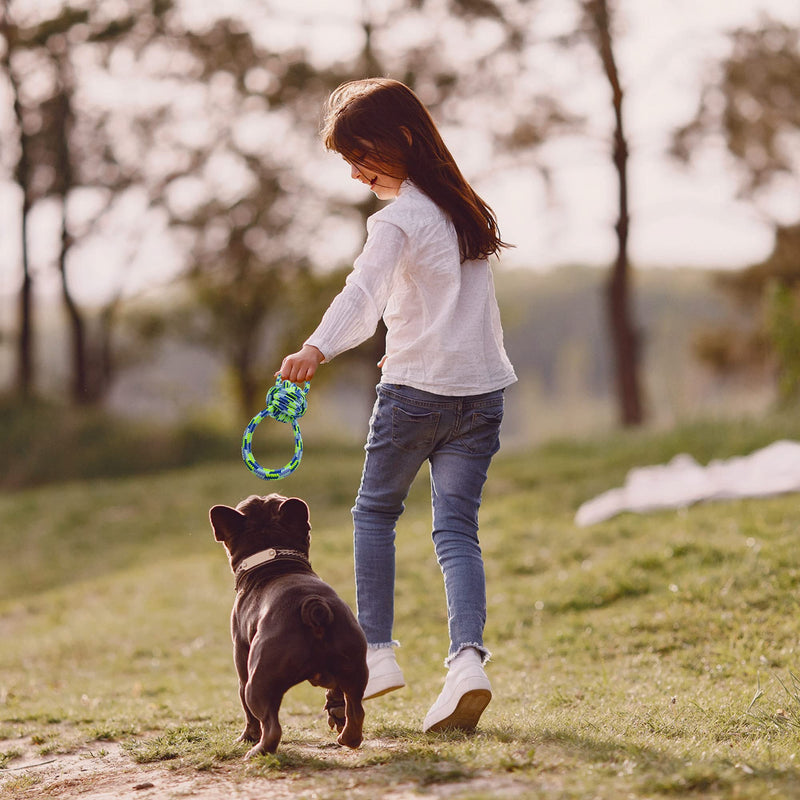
652,771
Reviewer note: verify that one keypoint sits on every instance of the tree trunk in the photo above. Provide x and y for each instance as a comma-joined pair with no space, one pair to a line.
25,340
623,331
22,172
81,390
104,359
624,336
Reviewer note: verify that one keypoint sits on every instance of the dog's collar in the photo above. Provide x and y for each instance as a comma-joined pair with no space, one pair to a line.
264,556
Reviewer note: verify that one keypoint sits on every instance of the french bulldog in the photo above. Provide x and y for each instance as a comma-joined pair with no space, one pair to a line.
287,624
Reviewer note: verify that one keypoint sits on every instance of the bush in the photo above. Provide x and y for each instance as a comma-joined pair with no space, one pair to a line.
42,442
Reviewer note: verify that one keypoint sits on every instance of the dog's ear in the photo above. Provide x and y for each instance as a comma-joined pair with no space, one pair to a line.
294,512
226,521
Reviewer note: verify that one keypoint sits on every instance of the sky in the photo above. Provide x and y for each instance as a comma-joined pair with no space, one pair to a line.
680,217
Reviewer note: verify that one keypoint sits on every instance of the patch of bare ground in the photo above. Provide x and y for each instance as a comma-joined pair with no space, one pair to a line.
104,771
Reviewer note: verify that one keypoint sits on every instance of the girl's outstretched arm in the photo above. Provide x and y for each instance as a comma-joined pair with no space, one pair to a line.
301,366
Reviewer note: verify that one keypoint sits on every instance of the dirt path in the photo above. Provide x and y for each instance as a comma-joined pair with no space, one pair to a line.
106,772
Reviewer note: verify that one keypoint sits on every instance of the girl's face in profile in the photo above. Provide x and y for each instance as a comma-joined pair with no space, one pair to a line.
384,186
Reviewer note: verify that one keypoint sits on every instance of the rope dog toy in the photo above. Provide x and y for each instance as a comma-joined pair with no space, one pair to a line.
286,402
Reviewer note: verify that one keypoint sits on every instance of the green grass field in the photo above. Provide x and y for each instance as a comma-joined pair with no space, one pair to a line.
645,657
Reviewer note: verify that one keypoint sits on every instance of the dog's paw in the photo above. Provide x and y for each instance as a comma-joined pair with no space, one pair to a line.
335,709
336,718
262,749
250,735
253,752
350,738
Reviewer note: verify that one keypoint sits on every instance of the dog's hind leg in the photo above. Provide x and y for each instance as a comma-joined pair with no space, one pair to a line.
264,703
252,727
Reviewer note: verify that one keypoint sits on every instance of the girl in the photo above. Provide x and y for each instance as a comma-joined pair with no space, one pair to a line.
424,269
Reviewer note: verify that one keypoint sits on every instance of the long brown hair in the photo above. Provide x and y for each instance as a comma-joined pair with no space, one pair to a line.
382,125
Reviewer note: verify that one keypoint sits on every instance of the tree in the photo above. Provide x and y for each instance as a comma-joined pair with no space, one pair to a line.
22,177
241,206
244,289
63,148
598,18
241,235
540,116
751,100
34,171
768,340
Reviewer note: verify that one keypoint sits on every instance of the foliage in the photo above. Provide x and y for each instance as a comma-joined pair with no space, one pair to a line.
201,133
41,443
626,656
242,207
753,99
783,323
65,151
131,161
768,336
213,150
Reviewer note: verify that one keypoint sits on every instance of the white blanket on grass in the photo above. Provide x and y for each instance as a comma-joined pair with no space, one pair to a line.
775,469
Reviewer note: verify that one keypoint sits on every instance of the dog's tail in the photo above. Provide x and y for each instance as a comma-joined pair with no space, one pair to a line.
317,614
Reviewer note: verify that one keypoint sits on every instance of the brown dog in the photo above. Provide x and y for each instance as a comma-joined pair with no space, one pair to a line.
287,625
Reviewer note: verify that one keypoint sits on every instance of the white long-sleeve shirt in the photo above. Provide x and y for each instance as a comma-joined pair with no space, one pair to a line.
443,324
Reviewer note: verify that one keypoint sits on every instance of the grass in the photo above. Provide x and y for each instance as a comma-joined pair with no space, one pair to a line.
646,657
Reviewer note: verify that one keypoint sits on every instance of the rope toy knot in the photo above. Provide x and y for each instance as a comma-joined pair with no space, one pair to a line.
286,402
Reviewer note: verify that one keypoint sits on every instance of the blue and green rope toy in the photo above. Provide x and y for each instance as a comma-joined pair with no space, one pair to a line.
286,402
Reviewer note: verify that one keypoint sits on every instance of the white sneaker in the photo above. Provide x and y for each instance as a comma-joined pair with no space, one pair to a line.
385,674
465,695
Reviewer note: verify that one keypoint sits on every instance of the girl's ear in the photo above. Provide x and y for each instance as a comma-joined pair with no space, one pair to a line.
407,134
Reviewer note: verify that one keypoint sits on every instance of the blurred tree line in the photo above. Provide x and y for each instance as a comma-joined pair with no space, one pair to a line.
751,99
128,122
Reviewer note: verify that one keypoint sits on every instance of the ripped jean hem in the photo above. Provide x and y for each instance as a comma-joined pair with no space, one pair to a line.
484,653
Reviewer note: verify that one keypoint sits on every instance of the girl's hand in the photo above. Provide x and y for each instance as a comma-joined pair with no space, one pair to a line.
300,367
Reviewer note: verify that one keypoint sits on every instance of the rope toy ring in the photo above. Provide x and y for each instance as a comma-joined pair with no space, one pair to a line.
286,402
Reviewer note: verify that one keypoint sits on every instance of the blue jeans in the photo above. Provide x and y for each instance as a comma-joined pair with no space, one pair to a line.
458,437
